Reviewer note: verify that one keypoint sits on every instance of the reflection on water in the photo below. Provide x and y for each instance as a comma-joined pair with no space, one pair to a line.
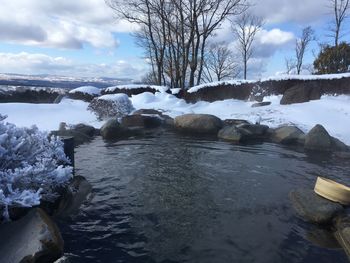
179,199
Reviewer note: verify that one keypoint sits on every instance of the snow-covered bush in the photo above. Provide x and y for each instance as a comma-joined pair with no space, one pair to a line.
31,166
110,106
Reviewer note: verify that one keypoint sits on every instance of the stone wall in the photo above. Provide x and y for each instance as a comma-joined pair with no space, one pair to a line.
259,89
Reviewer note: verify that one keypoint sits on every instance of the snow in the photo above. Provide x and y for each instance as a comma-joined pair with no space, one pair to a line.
175,91
136,86
220,83
306,77
114,97
48,116
91,90
333,112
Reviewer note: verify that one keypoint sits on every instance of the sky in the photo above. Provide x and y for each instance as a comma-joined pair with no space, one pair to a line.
83,38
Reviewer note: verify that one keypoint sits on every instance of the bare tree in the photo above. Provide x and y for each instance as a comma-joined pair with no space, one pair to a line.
220,63
290,65
175,33
245,29
341,12
301,45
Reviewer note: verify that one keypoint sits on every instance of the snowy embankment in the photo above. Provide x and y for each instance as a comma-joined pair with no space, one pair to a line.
332,112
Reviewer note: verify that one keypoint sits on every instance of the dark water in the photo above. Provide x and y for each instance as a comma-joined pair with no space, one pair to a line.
178,199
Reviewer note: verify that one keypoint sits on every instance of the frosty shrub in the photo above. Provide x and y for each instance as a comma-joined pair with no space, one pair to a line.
31,166
110,106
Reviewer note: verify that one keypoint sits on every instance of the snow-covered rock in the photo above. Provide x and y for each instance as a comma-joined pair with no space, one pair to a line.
111,105
91,90
84,93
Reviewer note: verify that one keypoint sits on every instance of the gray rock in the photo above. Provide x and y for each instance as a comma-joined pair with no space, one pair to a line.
261,104
85,129
33,238
302,92
342,155
198,123
243,132
77,192
147,111
112,130
235,122
232,133
322,237
318,139
287,135
314,208
79,138
342,234
143,121
338,145
256,130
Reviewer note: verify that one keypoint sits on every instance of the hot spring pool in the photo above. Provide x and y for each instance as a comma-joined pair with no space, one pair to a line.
170,198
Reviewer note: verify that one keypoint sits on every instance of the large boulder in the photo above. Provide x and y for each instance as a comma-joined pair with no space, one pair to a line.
198,123
243,132
257,131
339,146
302,92
287,135
33,238
84,93
75,195
232,133
112,130
111,106
141,121
318,139
314,208
81,132
342,234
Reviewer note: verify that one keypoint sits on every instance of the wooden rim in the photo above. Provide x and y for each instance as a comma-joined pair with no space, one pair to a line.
332,190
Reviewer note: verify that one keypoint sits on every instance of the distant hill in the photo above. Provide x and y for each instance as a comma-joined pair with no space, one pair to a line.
54,81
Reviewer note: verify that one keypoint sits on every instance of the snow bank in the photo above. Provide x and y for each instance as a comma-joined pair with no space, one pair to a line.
30,166
48,116
136,86
306,77
114,97
220,83
91,90
333,112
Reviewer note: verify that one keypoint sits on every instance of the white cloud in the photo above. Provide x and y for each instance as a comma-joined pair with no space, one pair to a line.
28,63
62,24
275,37
298,11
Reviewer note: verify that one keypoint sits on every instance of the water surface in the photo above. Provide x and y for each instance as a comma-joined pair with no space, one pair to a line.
168,198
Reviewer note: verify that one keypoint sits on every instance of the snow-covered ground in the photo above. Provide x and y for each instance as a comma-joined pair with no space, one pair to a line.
332,112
